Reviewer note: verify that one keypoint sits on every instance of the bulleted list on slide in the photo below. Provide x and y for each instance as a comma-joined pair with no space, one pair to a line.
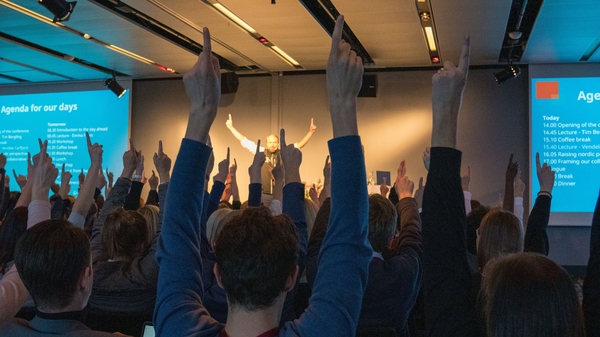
63,119
565,131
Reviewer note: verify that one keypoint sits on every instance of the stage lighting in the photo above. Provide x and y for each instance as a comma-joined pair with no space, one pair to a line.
61,9
507,74
115,87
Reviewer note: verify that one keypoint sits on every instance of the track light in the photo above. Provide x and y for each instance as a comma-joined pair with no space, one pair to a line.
507,74
61,9
115,87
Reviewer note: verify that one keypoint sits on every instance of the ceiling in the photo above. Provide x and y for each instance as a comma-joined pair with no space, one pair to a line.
36,50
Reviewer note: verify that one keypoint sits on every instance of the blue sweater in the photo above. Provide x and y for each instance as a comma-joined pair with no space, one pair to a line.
344,259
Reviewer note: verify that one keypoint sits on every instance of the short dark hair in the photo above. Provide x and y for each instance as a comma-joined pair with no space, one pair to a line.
383,219
50,258
526,295
256,254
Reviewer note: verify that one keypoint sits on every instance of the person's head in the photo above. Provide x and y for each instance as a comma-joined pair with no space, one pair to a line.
473,221
150,213
225,204
124,235
310,212
272,143
256,258
528,295
54,262
500,233
213,222
382,222
11,230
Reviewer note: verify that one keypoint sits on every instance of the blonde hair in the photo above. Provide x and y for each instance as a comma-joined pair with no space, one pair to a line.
150,213
310,211
213,221
500,233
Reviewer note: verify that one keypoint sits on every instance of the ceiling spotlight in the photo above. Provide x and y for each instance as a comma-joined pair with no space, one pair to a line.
507,74
115,87
61,9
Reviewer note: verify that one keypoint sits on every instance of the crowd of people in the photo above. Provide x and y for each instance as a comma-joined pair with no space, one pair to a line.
428,261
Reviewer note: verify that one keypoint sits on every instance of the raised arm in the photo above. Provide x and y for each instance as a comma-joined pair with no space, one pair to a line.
233,130
235,192
334,306
509,192
82,205
279,177
25,197
115,199
132,202
152,198
255,187
536,237
218,185
447,280
591,284
308,135
179,308
326,190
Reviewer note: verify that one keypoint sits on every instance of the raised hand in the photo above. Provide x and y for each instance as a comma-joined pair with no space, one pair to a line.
44,173
144,179
313,127
81,178
255,169
291,158
110,177
465,179
427,157
312,193
545,175
223,169
327,172
404,187
131,158
344,78
139,169
519,185
448,87
101,180
153,181
162,162
384,188
2,160
95,151
512,169
20,179
203,87
229,122
419,193
65,183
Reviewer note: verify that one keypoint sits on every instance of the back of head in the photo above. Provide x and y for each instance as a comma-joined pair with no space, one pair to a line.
256,254
310,212
528,295
124,235
150,213
11,230
500,233
50,258
213,221
382,222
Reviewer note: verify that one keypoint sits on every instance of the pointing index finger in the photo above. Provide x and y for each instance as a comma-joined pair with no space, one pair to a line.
336,37
282,138
89,142
207,47
160,147
537,161
257,147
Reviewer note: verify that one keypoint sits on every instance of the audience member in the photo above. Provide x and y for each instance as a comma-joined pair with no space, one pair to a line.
256,237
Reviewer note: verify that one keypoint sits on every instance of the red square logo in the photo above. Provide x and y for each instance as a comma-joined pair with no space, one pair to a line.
546,90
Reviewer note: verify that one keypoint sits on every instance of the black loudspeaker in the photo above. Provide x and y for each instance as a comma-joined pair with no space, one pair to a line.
229,83
369,86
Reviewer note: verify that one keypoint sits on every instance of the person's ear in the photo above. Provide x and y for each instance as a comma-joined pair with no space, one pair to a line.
217,273
85,278
291,281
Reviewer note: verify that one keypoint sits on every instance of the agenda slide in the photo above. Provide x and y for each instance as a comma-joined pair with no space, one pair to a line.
565,131
63,118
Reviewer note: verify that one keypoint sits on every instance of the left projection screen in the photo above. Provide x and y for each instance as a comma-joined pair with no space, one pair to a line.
63,118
